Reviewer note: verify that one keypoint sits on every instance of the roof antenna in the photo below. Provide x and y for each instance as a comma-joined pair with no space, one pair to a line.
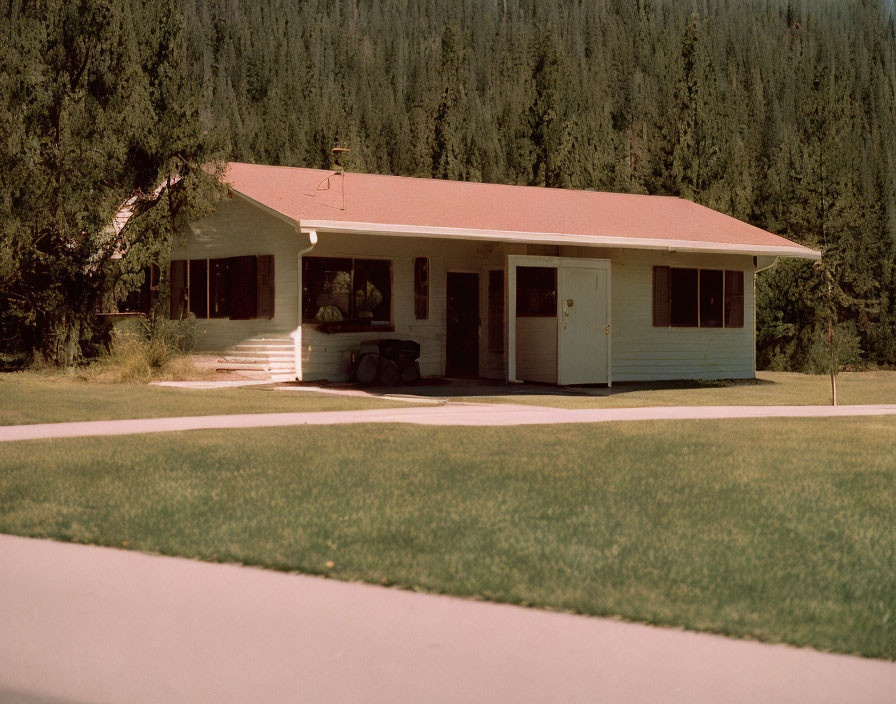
324,185
338,153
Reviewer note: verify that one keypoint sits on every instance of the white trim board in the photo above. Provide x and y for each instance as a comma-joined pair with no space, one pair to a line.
551,238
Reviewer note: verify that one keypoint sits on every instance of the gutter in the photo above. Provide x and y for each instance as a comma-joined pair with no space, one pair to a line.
764,268
297,335
553,238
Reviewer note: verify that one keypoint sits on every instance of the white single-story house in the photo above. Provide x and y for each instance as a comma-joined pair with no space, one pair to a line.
300,266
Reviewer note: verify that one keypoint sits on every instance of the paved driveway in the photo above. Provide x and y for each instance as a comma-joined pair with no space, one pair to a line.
88,624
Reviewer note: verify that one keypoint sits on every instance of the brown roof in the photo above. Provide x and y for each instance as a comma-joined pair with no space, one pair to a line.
313,195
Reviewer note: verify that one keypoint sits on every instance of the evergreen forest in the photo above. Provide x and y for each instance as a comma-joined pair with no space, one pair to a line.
781,114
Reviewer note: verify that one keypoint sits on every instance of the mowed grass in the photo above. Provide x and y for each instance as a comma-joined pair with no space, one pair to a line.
780,530
768,389
35,398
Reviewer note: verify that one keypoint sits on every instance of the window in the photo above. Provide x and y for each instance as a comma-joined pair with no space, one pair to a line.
706,298
683,298
536,291
421,288
496,311
198,287
734,299
143,299
238,288
346,293
711,303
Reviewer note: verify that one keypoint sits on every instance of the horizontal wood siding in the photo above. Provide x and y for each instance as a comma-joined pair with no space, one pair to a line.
238,229
536,349
640,351
327,356
644,352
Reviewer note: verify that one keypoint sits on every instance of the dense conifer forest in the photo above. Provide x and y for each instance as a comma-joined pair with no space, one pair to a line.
782,114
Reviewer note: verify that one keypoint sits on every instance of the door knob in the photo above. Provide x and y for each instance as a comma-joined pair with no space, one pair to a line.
569,302
607,329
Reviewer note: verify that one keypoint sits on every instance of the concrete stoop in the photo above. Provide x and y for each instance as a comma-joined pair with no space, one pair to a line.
262,357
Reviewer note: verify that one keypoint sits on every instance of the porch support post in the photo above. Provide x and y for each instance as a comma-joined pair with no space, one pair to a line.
297,334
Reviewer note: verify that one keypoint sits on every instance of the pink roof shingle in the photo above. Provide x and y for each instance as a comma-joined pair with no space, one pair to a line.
317,195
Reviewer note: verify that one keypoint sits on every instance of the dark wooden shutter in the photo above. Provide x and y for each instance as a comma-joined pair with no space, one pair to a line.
243,288
496,311
178,287
661,296
198,281
421,288
265,285
220,288
734,299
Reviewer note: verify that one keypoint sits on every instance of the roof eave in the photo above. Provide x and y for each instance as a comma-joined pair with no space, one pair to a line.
611,241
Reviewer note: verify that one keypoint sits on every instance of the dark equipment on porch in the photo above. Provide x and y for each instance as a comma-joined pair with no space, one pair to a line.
387,362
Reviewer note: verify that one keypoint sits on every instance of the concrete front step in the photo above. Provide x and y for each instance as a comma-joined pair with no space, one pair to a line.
261,361
226,367
260,352
262,356
272,356
267,342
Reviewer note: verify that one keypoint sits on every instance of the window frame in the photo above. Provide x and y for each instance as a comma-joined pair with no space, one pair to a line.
724,297
353,325
187,301
519,291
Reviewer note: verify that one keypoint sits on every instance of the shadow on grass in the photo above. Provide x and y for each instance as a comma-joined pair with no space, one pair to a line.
468,388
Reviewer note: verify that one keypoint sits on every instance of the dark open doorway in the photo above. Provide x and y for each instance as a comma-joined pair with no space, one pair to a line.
462,325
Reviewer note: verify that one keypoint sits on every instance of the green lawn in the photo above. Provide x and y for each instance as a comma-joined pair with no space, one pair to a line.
36,398
770,389
781,530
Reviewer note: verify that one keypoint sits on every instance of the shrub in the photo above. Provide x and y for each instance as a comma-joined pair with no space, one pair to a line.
151,348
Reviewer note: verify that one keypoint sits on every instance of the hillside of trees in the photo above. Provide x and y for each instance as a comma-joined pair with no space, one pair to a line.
782,114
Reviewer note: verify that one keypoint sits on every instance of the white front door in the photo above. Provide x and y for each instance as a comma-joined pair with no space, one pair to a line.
584,326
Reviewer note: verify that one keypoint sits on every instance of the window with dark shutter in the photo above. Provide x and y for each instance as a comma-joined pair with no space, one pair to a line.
734,299
265,285
178,306
661,281
421,288
683,298
496,311
243,288
711,301
197,287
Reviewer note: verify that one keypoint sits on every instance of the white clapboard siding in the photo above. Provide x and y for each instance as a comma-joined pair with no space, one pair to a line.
327,356
536,349
640,352
239,229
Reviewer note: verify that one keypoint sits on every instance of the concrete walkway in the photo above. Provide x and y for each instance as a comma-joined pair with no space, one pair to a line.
469,414
88,624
